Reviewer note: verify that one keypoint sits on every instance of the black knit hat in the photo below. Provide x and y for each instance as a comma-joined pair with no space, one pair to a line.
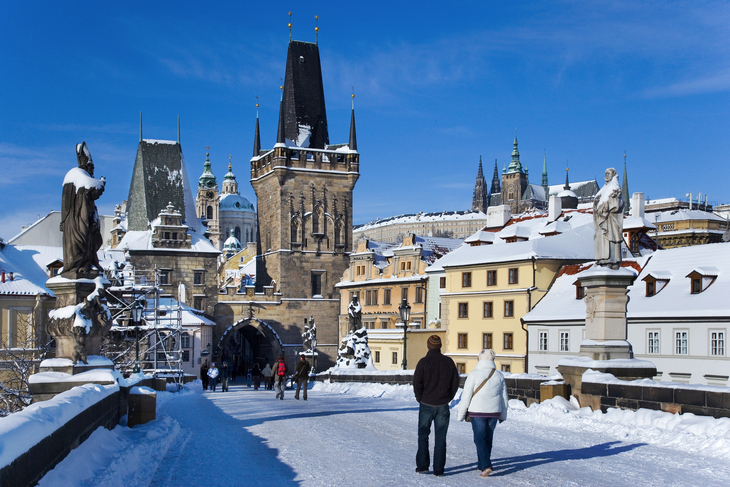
434,341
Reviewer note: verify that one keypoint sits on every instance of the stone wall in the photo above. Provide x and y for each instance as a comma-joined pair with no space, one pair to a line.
701,402
31,466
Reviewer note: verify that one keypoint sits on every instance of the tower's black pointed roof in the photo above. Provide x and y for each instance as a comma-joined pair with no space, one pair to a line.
303,97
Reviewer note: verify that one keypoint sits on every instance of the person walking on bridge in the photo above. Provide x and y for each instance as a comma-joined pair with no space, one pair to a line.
435,383
213,376
279,376
302,376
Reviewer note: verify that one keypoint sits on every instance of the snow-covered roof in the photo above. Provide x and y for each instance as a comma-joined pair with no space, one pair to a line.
28,265
481,236
637,222
574,244
677,215
142,240
675,300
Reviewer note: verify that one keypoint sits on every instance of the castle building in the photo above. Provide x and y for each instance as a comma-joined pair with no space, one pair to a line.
516,190
303,191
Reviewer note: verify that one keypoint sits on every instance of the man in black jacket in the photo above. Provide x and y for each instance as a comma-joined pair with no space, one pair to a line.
435,383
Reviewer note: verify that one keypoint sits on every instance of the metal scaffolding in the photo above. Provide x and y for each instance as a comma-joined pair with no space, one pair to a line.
151,345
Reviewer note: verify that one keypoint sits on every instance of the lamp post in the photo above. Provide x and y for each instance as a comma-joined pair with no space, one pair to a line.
405,313
137,309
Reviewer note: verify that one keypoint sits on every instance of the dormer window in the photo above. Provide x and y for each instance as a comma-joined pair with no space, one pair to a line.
580,291
701,278
655,282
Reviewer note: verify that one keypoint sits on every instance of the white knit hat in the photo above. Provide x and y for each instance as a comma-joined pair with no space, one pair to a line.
487,354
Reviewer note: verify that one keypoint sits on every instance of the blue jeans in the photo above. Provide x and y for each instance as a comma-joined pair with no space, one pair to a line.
439,415
483,429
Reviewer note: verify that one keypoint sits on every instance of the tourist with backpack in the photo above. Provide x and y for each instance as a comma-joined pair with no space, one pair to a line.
278,374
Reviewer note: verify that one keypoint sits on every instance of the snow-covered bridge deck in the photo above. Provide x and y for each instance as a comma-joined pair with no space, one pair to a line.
345,435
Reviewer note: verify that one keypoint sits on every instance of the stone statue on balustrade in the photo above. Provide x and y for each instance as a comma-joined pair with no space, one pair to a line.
79,218
608,215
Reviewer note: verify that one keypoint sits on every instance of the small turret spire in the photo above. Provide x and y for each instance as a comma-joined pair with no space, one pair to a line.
289,26
140,126
257,134
178,130
353,136
545,176
567,182
207,179
495,180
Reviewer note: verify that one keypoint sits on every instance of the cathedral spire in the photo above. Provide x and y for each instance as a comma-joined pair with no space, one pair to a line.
257,135
353,136
495,180
515,165
544,176
480,198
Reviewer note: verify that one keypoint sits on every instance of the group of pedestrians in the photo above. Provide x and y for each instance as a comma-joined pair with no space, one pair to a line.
274,378
483,402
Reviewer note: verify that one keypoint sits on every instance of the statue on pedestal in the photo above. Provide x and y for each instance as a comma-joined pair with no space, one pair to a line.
79,219
354,314
608,215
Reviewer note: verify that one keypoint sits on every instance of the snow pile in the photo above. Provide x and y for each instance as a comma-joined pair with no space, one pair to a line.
120,457
398,391
685,432
22,430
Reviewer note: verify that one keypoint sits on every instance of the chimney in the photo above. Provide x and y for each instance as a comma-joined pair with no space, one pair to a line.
555,208
498,216
637,205
2,276
12,276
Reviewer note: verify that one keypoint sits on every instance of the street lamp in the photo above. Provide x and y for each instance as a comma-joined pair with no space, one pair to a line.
405,313
137,310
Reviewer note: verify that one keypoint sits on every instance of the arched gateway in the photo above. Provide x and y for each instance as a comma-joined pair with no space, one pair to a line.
249,341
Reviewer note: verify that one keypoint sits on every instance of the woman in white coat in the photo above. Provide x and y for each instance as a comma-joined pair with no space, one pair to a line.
486,405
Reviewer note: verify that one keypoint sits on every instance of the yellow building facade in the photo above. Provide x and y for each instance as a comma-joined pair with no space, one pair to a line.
482,305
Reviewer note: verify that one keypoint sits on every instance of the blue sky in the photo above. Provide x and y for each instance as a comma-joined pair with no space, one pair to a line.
436,88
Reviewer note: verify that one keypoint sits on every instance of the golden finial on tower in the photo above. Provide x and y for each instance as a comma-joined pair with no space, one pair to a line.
316,29
289,26
229,163
257,107
353,97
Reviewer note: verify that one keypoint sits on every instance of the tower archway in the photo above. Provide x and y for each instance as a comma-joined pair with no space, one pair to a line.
249,341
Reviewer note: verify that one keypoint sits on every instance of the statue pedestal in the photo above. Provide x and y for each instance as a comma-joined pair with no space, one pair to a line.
605,347
70,292
606,299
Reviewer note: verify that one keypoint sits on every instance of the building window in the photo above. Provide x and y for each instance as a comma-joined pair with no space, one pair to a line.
696,285
509,309
564,343
488,309
461,368
209,213
717,343
370,325
371,297
166,235
505,367
419,295
164,277
198,278
652,342
184,340
395,358
463,310
442,282
186,355
681,339
486,341
508,341
513,276
316,284
463,341
386,296
377,356
542,341
466,279
650,288
198,303
580,291
491,278
404,293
